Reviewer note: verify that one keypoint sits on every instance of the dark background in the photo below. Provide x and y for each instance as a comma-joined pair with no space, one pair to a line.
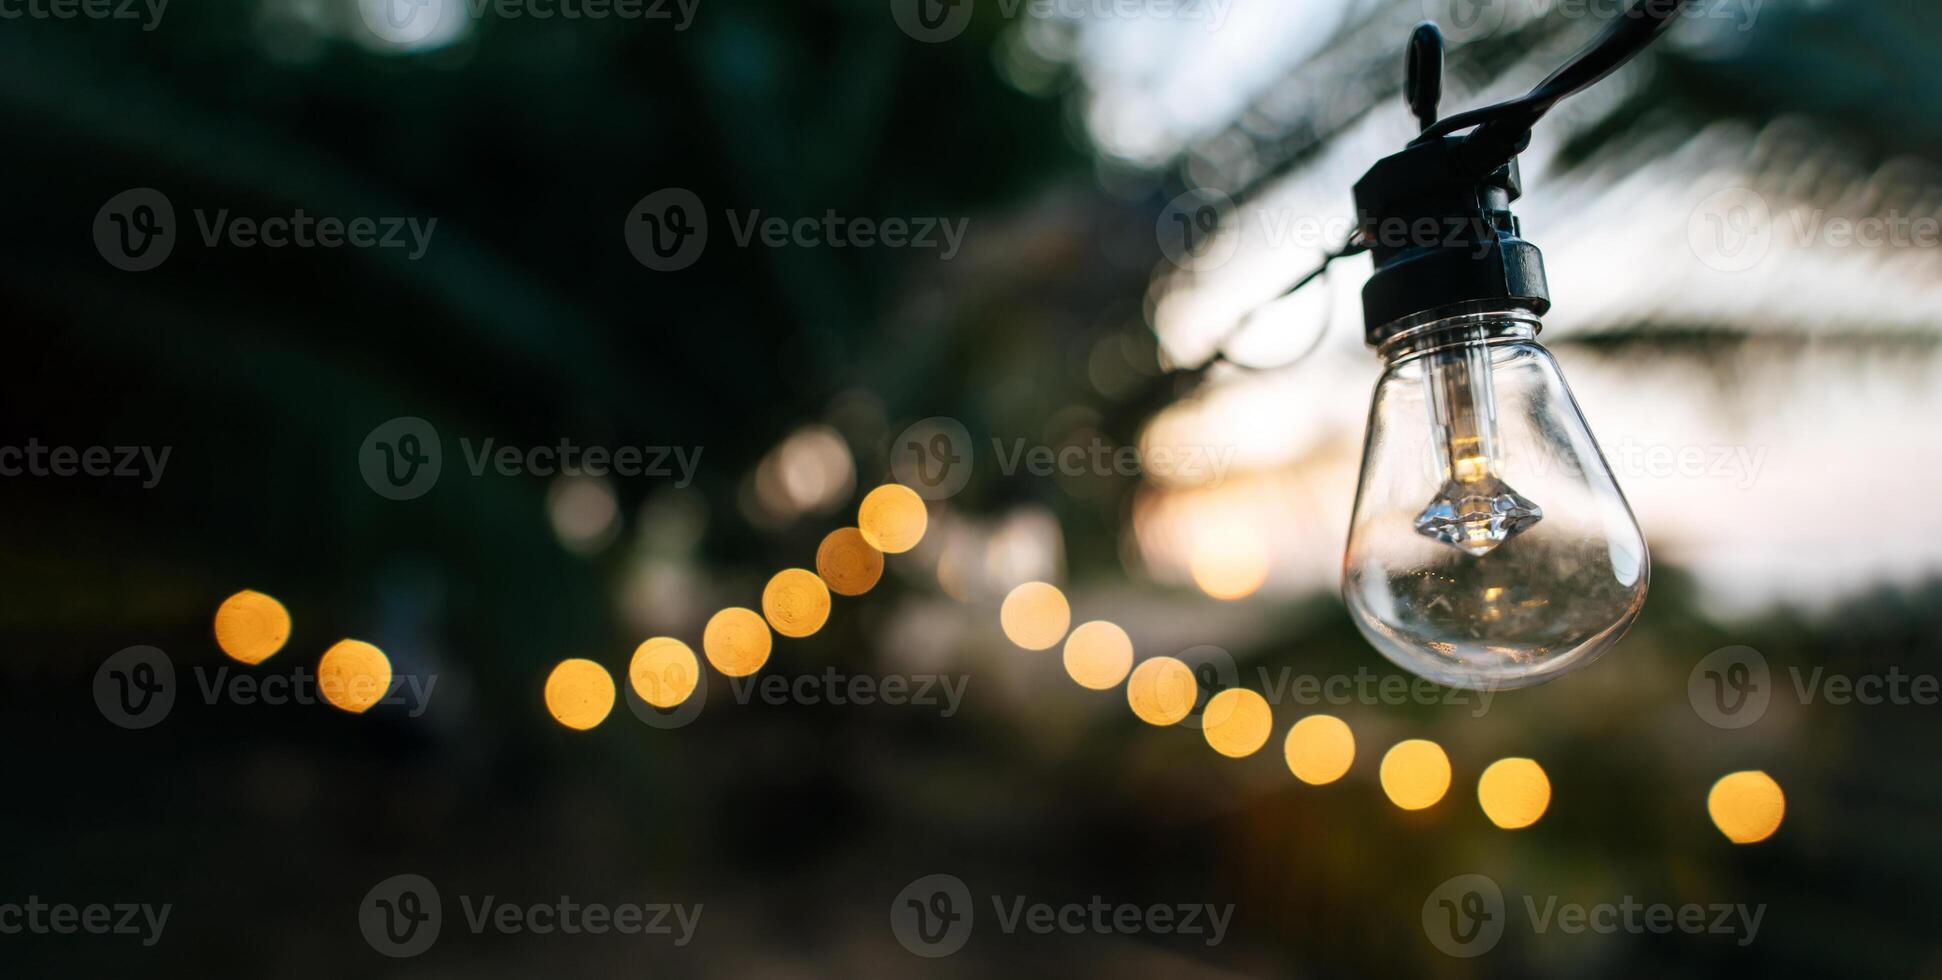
529,321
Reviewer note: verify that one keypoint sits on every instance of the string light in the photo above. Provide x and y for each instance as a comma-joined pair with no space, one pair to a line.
1319,749
353,675
579,694
251,627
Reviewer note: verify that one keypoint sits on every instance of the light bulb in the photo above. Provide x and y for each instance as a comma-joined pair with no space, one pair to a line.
1490,546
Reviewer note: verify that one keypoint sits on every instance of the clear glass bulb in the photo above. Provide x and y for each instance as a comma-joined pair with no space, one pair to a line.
1490,546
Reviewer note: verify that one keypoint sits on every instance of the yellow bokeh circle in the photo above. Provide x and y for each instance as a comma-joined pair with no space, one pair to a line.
1098,655
795,602
579,694
251,626
1035,616
1514,793
1415,774
1237,722
1162,691
1746,806
736,641
848,563
1319,749
664,672
892,518
353,675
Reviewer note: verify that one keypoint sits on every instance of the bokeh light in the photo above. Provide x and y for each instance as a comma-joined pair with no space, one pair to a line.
1035,616
848,564
892,518
1746,806
1514,793
664,672
1229,563
736,641
579,694
1237,722
353,675
1162,691
1098,655
1415,774
1319,749
251,626
795,602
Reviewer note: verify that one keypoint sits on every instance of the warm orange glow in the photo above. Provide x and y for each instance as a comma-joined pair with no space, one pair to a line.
736,641
847,563
1162,691
1229,564
251,626
1035,616
1237,722
1319,749
664,672
1415,774
1746,806
1514,793
579,693
353,675
892,518
1098,655
796,602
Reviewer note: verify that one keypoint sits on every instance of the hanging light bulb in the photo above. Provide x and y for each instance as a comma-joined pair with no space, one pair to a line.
1490,546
